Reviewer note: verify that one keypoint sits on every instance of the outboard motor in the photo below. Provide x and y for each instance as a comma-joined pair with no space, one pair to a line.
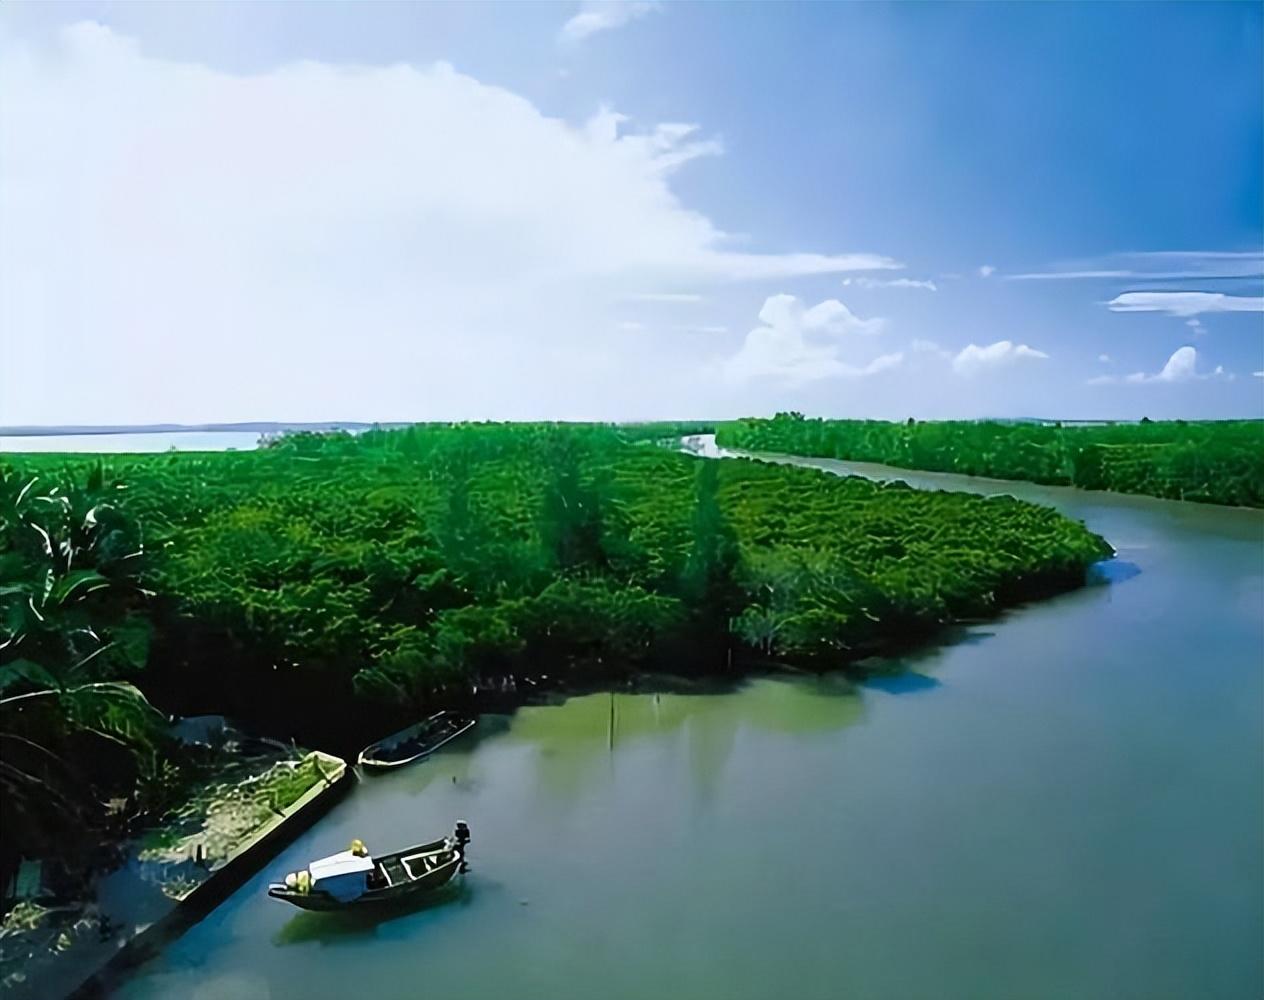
462,837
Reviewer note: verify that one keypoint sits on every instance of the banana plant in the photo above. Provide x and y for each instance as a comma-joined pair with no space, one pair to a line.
69,625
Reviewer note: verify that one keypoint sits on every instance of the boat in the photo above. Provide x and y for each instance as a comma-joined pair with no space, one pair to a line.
353,878
414,742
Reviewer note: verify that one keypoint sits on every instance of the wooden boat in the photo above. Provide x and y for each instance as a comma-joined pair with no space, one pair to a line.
414,742
352,879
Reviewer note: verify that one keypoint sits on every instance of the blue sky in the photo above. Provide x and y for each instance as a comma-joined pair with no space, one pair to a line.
624,211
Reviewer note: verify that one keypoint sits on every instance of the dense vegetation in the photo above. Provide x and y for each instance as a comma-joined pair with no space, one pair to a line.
328,586
1211,462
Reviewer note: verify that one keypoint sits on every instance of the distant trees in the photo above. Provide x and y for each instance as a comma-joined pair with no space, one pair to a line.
1211,461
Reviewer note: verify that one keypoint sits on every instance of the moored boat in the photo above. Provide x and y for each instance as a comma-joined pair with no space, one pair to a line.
353,878
415,742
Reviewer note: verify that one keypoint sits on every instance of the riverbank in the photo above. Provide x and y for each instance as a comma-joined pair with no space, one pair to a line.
256,797
1216,462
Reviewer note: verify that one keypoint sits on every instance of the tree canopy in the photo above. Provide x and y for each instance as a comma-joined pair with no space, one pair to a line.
1206,461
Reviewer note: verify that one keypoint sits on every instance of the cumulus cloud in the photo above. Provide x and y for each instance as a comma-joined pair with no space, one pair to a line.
1182,366
798,345
890,283
603,15
317,241
974,359
1185,303
986,271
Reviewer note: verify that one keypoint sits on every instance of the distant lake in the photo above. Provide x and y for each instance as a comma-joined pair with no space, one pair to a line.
128,443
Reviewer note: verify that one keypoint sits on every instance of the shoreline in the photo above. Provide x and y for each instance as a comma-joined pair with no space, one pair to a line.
161,913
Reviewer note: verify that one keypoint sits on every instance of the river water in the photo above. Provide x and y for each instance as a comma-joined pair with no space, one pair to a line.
1066,802
147,441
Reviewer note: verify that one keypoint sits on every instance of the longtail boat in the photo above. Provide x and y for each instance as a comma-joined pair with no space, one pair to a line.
352,878
415,742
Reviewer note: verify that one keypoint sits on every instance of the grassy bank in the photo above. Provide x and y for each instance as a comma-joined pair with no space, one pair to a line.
1209,462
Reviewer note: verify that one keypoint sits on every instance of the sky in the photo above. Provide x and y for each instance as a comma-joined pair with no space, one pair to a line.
624,211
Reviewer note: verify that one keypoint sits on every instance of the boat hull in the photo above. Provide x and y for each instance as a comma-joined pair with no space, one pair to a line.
448,865
322,903
414,743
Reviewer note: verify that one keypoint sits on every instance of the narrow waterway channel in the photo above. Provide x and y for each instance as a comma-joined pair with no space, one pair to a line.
1066,802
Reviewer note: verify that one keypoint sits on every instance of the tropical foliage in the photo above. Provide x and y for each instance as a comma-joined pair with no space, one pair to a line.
301,584
1211,462
73,731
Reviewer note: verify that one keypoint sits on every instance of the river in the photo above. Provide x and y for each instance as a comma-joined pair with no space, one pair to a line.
1066,802
131,443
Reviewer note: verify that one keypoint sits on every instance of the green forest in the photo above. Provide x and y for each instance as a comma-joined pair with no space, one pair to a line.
328,587
1206,461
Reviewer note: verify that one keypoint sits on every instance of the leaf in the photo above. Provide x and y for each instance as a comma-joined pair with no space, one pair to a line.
76,585
115,710
27,671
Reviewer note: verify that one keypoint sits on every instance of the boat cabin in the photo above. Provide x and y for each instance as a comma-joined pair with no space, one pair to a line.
344,876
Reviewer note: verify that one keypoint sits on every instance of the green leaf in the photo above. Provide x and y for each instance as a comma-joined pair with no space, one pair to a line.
77,585
26,672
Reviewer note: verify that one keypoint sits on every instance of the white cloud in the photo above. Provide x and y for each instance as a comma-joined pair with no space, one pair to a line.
799,345
974,359
603,15
665,297
631,325
1258,374
986,271
920,346
1155,266
323,241
1185,303
890,283
702,329
1104,358
1182,366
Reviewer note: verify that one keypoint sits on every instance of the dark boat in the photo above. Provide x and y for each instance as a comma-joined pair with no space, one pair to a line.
353,879
414,742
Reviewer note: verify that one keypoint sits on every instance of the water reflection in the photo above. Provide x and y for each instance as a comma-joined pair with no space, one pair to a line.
328,928
906,683
575,743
